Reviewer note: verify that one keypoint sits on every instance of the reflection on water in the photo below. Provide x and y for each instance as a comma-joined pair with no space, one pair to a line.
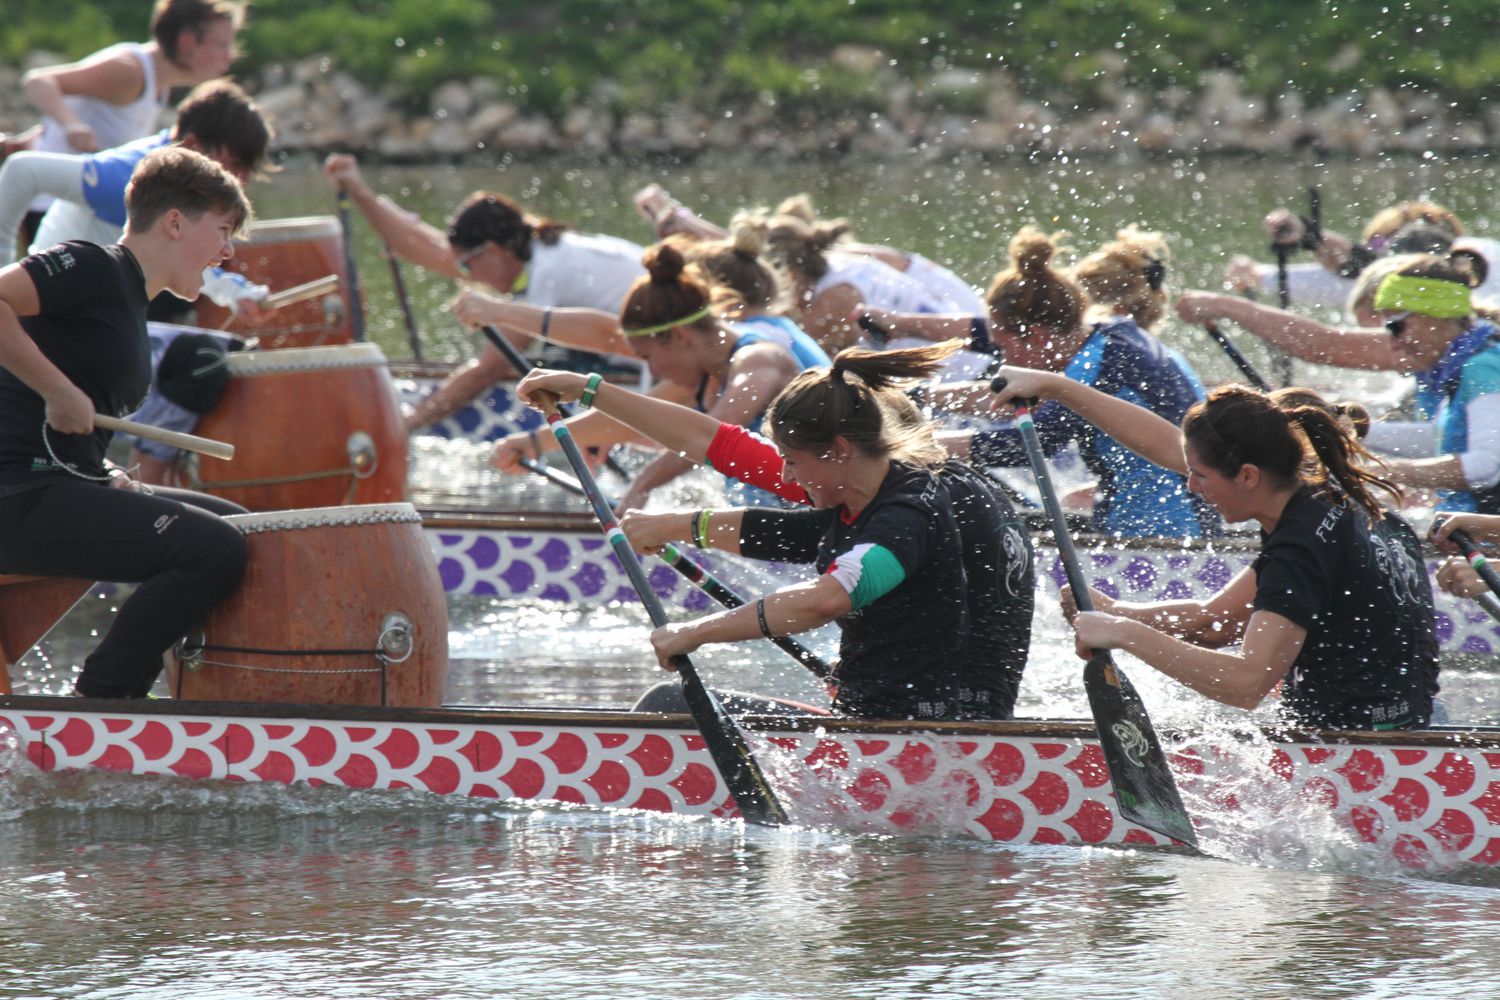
160,888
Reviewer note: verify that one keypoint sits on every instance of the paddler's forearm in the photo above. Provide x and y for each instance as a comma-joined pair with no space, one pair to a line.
406,234
673,426
1150,436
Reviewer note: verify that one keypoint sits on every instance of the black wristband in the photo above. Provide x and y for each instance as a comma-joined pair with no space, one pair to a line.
760,614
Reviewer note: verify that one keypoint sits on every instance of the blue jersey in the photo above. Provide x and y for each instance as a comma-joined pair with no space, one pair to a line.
1472,369
106,173
803,349
1135,498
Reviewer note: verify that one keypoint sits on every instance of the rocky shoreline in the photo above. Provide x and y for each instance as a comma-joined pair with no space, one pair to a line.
319,108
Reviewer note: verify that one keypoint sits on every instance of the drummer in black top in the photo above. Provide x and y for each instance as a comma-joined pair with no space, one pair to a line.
73,343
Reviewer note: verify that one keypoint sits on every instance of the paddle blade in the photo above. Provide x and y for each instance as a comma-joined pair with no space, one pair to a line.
726,744
1145,792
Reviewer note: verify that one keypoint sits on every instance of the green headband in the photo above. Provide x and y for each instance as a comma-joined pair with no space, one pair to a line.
1424,296
647,331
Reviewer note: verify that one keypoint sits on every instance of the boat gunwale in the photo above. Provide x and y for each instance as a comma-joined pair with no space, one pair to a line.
767,725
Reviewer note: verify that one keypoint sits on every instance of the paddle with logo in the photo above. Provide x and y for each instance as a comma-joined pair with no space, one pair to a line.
725,743
1145,791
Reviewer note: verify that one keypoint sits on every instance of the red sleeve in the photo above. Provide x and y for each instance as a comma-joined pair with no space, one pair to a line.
750,458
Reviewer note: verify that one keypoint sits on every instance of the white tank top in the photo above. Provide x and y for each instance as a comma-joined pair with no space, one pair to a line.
113,124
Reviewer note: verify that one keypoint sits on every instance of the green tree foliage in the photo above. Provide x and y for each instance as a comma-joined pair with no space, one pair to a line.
712,54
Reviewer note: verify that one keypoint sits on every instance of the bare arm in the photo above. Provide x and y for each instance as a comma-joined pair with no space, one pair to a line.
1152,437
1299,336
827,319
586,329
1217,621
115,79
406,235
674,426
1240,679
926,325
798,608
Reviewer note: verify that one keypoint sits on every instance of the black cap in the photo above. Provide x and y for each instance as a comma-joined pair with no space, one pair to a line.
194,371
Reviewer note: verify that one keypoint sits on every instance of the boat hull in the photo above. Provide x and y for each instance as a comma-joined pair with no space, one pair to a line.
1417,799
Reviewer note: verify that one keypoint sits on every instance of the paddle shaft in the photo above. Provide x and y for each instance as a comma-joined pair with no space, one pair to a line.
698,577
1241,362
176,439
351,269
413,338
523,365
721,737
1145,791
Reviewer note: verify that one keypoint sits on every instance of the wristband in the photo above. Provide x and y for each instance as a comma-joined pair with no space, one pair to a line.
700,527
760,614
586,399
546,322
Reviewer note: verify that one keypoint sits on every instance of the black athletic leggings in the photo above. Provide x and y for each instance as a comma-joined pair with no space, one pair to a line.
185,559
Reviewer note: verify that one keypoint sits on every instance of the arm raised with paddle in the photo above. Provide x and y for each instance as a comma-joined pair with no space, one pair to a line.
725,742
1145,790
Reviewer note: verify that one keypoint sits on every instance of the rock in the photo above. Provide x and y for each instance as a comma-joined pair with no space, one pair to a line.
451,100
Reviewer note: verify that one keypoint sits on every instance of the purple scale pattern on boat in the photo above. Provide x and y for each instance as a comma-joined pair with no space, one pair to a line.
1214,574
1443,626
451,573
1103,560
1140,573
698,601
484,553
1179,562
487,589
663,579
1175,590
519,576
555,592
1476,644
625,595
555,555
589,579
591,544
1107,586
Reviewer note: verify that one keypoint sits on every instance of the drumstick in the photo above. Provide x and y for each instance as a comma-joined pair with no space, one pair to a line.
176,439
298,293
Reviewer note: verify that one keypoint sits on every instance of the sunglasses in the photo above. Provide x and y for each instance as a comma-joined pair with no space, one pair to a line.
1396,325
465,260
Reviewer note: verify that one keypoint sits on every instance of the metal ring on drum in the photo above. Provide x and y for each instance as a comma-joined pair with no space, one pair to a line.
339,605
311,426
283,253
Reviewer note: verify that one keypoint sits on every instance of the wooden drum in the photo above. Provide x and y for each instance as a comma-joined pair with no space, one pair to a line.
311,426
340,605
283,253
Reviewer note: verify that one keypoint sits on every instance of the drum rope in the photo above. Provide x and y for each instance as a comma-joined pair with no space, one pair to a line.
200,661
301,477
378,654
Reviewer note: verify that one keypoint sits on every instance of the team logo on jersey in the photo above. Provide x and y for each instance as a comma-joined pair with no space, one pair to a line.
1017,558
163,523
1395,564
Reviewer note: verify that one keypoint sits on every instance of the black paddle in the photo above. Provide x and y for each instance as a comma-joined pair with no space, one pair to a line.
1145,790
351,269
696,575
523,365
413,338
1241,362
722,738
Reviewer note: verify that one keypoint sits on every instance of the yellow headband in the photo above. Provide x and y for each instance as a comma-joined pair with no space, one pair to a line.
1423,296
647,331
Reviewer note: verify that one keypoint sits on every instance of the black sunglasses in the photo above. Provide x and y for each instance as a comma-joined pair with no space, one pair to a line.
1396,325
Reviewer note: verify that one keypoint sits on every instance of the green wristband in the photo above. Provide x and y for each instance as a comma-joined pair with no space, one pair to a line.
586,399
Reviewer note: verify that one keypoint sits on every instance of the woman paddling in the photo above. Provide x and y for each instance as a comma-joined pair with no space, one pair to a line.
73,343
492,240
855,449
1038,315
694,337
1337,606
